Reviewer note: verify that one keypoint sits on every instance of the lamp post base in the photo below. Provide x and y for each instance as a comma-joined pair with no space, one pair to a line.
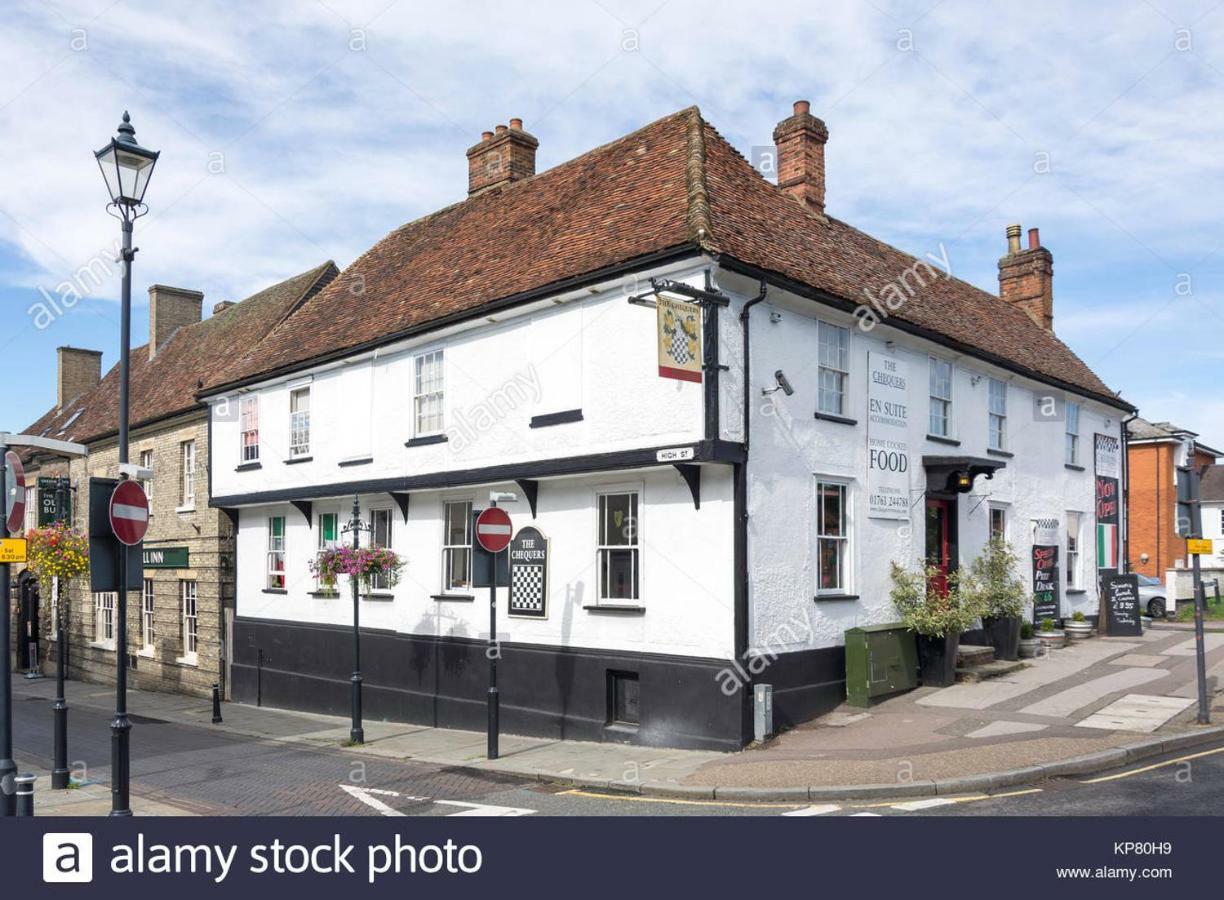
357,732
59,775
121,734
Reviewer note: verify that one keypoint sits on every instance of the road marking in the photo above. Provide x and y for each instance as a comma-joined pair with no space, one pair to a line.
854,815
931,803
1159,765
813,810
639,799
369,796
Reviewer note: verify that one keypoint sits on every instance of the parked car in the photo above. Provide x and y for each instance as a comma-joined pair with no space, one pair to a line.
1152,596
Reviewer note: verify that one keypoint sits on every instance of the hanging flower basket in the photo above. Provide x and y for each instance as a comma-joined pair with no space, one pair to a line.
364,564
57,551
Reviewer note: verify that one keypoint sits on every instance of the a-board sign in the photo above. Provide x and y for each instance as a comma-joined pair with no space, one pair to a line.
1046,575
1121,594
529,574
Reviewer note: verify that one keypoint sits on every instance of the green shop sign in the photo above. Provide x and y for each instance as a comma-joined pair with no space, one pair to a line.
165,558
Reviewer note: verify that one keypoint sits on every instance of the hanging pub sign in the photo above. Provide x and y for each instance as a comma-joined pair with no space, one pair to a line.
1046,600
47,512
1108,465
529,574
888,457
679,333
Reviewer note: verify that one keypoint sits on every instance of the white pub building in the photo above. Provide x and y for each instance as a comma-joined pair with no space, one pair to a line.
723,412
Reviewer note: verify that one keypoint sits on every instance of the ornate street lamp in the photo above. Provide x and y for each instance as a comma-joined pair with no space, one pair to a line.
354,527
127,168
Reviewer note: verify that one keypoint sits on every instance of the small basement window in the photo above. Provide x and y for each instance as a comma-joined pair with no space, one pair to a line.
623,698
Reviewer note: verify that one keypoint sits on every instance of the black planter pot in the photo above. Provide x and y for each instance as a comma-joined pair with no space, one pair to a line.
1004,636
937,660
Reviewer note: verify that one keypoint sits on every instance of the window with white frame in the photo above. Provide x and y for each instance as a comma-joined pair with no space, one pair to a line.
299,423
457,546
248,415
104,619
380,536
941,397
31,509
998,414
832,537
1073,413
276,553
329,536
1073,550
998,523
834,354
190,593
187,468
618,552
148,631
146,462
428,386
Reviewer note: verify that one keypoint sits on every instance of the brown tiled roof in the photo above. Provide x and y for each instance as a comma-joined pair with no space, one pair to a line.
675,183
167,384
1211,487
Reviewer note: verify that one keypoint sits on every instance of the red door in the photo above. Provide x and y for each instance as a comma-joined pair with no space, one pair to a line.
939,540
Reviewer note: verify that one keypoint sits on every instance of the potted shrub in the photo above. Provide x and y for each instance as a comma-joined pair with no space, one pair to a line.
1030,646
936,617
1050,637
996,590
1078,627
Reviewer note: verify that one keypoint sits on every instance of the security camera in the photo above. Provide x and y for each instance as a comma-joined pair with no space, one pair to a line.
781,385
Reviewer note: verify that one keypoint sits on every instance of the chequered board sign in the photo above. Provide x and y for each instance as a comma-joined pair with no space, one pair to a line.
680,348
527,590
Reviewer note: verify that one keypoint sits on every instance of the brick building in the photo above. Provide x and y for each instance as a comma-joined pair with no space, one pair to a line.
1154,451
177,622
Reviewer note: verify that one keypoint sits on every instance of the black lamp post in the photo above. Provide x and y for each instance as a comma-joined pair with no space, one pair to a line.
127,168
59,774
356,526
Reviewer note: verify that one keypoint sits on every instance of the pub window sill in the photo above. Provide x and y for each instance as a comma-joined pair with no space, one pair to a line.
147,653
943,439
378,596
293,461
426,439
102,645
453,598
1006,454
248,466
323,595
355,461
193,661
820,598
1071,592
1073,467
274,591
185,508
626,608
840,420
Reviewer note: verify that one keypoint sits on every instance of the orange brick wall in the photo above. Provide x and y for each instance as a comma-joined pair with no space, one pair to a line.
1152,508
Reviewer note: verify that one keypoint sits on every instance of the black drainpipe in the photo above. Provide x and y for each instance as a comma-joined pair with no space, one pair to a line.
1124,517
741,523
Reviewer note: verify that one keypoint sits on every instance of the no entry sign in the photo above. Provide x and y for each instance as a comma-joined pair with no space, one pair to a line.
129,513
493,529
14,491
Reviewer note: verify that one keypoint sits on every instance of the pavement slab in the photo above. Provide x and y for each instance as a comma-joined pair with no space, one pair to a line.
1143,713
1004,727
1065,703
1140,659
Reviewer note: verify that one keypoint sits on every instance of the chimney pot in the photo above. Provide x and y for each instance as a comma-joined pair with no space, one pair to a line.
78,371
1013,239
1026,278
501,157
800,141
171,308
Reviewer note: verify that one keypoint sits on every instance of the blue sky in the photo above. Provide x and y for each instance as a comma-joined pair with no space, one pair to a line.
296,132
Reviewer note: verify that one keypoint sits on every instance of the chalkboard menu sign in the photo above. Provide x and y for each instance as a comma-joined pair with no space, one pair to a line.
1121,604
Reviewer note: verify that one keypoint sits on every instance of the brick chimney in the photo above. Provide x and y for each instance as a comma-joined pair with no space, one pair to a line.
170,309
1026,277
503,156
78,371
221,307
800,141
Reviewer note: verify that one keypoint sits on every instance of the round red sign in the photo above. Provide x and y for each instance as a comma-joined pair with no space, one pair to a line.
129,513
493,529
14,491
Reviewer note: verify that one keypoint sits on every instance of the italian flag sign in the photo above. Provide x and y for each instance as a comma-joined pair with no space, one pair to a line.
1107,546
